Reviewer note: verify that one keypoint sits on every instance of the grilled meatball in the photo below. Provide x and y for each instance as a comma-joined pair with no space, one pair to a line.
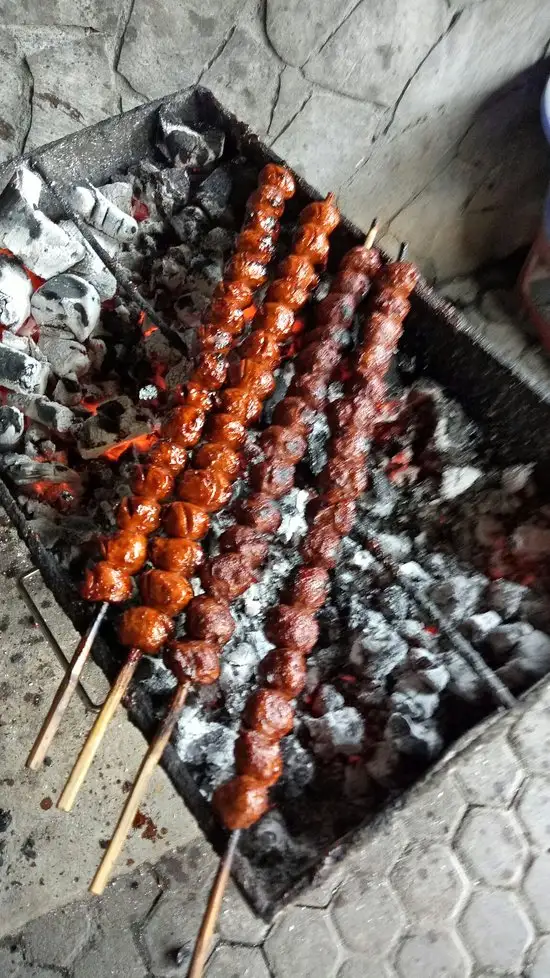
246,542
260,512
241,802
257,757
144,628
184,426
310,588
138,513
186,520
285,669
292,626
279,177
165,590
196,662
206,488
152,481
106,583
218,455
227,576
224,427
210,619
269,713
168,455
180,555
126,550
279,441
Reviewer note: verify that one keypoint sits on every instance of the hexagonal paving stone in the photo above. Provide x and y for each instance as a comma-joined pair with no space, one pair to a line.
302,943
434,810
537,889
496,931
531,738
237,922
430,883
533,809
363,967
237,962
540,962
173,926
490,774
432,955
492,847
367,915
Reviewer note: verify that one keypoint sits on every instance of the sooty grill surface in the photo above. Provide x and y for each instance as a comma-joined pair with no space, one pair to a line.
456,507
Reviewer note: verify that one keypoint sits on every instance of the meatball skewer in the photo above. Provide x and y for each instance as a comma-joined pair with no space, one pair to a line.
207,487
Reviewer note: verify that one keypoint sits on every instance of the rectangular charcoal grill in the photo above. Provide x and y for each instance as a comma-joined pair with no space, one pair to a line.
513,415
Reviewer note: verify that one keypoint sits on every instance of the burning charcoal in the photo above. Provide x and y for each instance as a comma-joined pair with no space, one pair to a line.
456,480
322,663
23,470
477,627
120,193
213,194
531,542
183,145
504,639
378,649
114,423
516,477
382,496
383,764
415,633
339,732
398,546
536,610
91,268
66,357
412,700
189,224
67,391
458,597
326,699
171,190
220,241
41,245
21,372
505,597
298,767
69,302
15,294
414,572
531,661
102,214
52,415
393,603
211,755
422,740
12,426
489,530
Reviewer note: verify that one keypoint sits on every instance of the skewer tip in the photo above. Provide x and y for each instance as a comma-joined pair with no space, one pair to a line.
212,912
372,232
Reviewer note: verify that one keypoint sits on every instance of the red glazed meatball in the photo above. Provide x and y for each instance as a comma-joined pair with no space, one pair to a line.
138,513
260,512
269,713
292,626
246,542
211,371
218,455
310,588
321,546
167,591
186,520
272,477
196,662
241,802
152,481
168,455
322,212
227,576
279,177
262,345
285,669
144,628
279,441
210,619
184,426
180,555
126,550
206,488
258,758
226,428
106,583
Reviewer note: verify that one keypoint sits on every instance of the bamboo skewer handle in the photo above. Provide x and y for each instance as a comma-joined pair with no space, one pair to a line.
89,750
139,788
64,693
212,912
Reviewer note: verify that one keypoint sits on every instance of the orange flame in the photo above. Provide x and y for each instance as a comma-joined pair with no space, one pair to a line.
141,442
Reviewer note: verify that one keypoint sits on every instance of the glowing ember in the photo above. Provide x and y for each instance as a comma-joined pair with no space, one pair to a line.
59,495
142,443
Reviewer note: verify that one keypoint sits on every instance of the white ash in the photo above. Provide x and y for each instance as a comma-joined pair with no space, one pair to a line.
283,376
326,699
530,661
120,193
414,571
504,639
65,355
458,479
339,732
51,414
170,190
69,302
21,372
67,391
293,516
102,213
505,597
477,627
517,477
317,443
458,597
41,245
299,767
91,267
378,648
408,736
15,294
189,224
12,426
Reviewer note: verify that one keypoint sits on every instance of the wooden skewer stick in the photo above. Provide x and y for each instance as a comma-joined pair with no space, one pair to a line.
372,232
212,912
64,692
91,745
139,788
